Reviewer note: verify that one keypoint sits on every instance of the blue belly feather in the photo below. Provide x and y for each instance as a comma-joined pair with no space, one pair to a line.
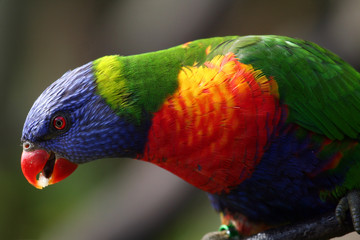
282,188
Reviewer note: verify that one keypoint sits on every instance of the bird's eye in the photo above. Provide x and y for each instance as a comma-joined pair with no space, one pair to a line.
59,123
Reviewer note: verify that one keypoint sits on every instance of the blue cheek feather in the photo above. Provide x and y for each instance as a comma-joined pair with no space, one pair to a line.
100,133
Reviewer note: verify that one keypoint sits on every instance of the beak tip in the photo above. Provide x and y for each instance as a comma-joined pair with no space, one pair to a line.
38,187
42,182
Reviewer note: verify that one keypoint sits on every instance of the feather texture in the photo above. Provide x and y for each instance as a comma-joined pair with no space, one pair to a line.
223,111
267,125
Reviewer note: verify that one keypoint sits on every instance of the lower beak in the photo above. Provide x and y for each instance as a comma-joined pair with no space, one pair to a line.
41,168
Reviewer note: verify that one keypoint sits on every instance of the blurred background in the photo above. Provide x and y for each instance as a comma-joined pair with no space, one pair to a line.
126,199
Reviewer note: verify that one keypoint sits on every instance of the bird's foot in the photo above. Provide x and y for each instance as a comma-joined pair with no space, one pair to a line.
349,203
226,232
230,231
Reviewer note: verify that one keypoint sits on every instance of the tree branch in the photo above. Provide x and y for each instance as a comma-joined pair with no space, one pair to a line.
322,228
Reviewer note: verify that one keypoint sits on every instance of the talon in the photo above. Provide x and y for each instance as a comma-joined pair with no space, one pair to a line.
341,210
351,203
354,207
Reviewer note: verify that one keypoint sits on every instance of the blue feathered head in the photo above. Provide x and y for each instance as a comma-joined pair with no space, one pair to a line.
70,121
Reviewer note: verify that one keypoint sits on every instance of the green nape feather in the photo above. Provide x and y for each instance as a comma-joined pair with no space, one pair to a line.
138,83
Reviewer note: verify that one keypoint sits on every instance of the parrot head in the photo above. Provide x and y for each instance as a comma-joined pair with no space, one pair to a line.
70,124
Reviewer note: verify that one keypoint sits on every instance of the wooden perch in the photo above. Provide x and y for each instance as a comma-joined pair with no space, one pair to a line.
322,228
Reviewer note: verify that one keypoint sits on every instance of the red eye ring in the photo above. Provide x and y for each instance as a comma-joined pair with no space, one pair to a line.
59,123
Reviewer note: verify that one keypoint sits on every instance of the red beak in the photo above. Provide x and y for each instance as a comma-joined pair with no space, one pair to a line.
50,170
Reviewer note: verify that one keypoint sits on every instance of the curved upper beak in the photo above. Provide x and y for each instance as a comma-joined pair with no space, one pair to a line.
41,168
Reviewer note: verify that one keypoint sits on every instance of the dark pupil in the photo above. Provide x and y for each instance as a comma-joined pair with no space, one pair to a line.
59,123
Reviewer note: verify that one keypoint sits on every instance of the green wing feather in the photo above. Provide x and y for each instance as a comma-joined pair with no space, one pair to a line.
320,89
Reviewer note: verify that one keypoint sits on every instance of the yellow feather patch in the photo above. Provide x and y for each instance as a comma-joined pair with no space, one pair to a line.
111,84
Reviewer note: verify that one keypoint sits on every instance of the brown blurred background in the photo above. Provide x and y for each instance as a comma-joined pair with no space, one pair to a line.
126,199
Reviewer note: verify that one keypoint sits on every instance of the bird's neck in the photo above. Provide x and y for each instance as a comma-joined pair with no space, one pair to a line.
132,85
213,130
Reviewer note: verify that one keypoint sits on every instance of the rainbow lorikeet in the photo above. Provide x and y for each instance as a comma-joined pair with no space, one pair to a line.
268,126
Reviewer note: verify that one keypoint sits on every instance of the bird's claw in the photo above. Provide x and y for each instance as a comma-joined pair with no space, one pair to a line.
226,232
351,203
230,231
